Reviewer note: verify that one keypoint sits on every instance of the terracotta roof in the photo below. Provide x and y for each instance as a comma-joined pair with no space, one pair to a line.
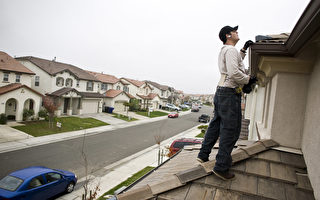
113,93
105,78
14,86
262,172
53,68
150,96
157,85
135,82
7,63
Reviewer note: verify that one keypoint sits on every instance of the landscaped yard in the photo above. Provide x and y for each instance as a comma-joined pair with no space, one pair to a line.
128,182
152,114
123,117
41,128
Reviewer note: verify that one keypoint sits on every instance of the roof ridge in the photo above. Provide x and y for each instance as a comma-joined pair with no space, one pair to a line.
194,173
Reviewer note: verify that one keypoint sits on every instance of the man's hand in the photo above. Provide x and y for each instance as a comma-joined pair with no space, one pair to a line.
247,44
247,88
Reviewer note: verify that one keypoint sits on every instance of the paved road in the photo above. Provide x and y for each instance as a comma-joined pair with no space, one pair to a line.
100,149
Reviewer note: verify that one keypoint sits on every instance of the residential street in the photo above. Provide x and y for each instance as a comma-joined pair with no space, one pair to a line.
100,149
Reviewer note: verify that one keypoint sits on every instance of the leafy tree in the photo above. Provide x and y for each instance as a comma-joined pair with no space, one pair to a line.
51,105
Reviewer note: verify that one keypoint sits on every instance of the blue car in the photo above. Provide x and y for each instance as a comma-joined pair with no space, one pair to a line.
35,183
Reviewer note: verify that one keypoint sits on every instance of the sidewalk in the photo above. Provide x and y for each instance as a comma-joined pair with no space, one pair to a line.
125,168
117,172
13,142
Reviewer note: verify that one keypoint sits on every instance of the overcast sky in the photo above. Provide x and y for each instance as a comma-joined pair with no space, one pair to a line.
172,42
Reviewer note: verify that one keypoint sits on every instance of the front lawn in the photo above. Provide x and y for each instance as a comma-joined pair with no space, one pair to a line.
152,114
41,128
123,117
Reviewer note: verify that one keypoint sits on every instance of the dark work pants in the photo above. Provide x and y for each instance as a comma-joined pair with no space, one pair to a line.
225,124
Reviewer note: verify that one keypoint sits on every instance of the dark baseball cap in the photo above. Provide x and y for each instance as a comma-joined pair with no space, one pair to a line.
226,30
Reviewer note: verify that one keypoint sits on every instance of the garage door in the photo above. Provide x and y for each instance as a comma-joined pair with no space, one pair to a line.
90,106
119,107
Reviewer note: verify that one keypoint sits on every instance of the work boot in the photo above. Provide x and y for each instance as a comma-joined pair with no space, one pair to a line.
224,175
200,160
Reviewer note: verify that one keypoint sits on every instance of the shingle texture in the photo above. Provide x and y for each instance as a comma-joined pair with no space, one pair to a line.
261,173
7,63
53,67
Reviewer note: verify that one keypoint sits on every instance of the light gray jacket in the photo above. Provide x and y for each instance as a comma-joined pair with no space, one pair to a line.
232,70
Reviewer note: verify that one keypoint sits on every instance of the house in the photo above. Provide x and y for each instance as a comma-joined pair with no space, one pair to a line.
163,91
109,82
285,105
16,93
142,91
116,99
114,90
284,118
74,90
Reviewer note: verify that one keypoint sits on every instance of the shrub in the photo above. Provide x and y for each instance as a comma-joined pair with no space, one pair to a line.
3,118
43,113
27,113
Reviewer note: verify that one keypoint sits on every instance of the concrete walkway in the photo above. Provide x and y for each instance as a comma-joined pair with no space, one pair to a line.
12,139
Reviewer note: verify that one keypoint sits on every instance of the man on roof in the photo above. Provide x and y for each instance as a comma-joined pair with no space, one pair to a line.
226,122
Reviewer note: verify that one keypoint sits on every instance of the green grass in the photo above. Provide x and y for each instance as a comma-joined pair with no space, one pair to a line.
201,135
152,114
41,128
128,182
123,117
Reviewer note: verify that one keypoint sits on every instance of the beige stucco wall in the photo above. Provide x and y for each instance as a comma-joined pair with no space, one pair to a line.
25,79
21,95
287,107
311,136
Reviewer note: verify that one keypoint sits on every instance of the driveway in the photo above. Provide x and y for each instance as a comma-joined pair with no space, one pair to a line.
9,134
105,117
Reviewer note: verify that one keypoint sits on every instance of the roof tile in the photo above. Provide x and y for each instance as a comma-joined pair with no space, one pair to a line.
293,159
283,172
271,189
239,155
198,191
293,194
255,148
270,155
224,194
191,174
268,143
170,183
250,185
217,182
258,167
303,182
7,63
105,78
140,193
177,194
208,166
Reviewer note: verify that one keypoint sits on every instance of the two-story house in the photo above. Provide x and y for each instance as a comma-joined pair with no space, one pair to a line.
163,91
115,92
142,91
75,90
16,93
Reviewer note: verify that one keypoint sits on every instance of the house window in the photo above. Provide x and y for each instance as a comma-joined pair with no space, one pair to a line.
104,86
147,91
162,93
6,77
37,81
78,83
167,93
69,82
18,78
118,87
125,88
60,82
89,86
